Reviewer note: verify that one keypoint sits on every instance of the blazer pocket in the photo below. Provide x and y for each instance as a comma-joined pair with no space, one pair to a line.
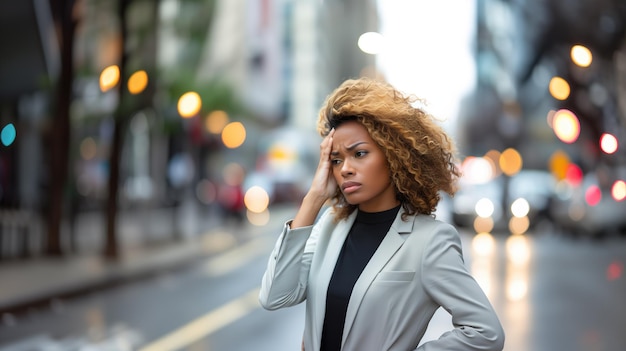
394,276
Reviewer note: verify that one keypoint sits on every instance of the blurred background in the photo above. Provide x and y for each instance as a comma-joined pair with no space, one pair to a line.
152,150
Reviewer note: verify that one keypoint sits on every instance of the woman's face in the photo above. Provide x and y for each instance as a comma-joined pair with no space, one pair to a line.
360,169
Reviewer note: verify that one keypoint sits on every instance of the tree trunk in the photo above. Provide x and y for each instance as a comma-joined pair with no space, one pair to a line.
60,133
111,249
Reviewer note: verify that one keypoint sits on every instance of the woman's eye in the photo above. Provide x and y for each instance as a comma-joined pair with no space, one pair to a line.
335,161
360,154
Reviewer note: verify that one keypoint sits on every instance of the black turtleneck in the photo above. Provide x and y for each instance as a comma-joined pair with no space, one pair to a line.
367,232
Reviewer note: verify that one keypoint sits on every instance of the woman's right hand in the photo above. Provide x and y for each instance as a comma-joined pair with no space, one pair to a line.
323,186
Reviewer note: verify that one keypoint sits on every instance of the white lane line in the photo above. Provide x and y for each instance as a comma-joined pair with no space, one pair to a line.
207,324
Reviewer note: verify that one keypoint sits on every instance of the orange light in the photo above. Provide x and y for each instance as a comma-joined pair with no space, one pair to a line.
566,126
581,55
138,82
189,104
109,78
559,88
618,190
233,135
256,199
558,164
510,161
216,121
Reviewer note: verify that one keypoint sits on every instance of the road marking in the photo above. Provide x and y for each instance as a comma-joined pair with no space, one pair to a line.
207,324
234,258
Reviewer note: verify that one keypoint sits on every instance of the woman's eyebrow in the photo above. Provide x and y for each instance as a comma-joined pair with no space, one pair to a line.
349,148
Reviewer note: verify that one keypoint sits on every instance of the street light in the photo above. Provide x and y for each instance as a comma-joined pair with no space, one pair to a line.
138,82
566,126
608,143
189,104
371,43
109,78
581,55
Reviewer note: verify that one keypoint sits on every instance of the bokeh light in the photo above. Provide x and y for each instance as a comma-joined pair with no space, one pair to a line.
256,199
614,270
519,225
189,104
574,174
559,88
258,219
493,156
593,195
516,289
483,224
581,55
483,244
558,164
484,207
518,249
216,121
520,207
138,82
510,161
371,43
608,143
109,78
8,134
618,190
477,170
234,135
566,126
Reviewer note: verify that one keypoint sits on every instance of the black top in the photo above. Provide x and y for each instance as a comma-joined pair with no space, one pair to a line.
364,237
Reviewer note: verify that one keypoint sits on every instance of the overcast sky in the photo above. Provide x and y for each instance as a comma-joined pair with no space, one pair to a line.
428,50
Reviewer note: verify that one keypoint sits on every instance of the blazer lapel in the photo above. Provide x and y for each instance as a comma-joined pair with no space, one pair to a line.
334,242
388,247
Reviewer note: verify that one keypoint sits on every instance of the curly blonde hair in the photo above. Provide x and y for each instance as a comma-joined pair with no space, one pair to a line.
420,155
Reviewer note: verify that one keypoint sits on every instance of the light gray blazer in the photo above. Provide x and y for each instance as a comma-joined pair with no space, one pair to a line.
417,268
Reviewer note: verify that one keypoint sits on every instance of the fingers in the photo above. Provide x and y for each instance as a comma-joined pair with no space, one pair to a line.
326,146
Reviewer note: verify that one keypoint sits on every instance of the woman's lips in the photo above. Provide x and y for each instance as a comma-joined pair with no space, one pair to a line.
350,187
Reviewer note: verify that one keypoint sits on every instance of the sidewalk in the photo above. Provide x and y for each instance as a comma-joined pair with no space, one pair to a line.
42,281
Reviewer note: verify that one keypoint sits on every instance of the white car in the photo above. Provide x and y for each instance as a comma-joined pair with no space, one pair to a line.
573,213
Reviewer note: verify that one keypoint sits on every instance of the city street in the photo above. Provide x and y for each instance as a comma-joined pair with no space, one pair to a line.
551,292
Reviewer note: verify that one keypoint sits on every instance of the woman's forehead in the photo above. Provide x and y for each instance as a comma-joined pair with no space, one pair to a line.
348,134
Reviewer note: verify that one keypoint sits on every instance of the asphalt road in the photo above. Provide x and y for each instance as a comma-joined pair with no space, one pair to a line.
551,292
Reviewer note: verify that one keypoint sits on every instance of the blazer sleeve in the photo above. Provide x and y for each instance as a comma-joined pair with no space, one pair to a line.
285,279
447,281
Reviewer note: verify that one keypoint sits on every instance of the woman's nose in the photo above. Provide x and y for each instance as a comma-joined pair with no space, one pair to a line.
346,168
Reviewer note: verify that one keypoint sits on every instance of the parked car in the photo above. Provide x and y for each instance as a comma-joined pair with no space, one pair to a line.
468,196
575,211
536,187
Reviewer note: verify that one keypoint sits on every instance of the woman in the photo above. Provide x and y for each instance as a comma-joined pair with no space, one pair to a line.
375,266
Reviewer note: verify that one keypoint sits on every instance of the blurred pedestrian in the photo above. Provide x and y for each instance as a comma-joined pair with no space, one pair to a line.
375,265
231,194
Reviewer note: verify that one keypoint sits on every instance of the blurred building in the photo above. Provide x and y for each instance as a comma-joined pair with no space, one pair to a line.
268,63
550,87
520,47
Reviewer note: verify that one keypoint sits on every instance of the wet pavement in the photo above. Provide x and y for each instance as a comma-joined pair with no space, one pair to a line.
551,292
